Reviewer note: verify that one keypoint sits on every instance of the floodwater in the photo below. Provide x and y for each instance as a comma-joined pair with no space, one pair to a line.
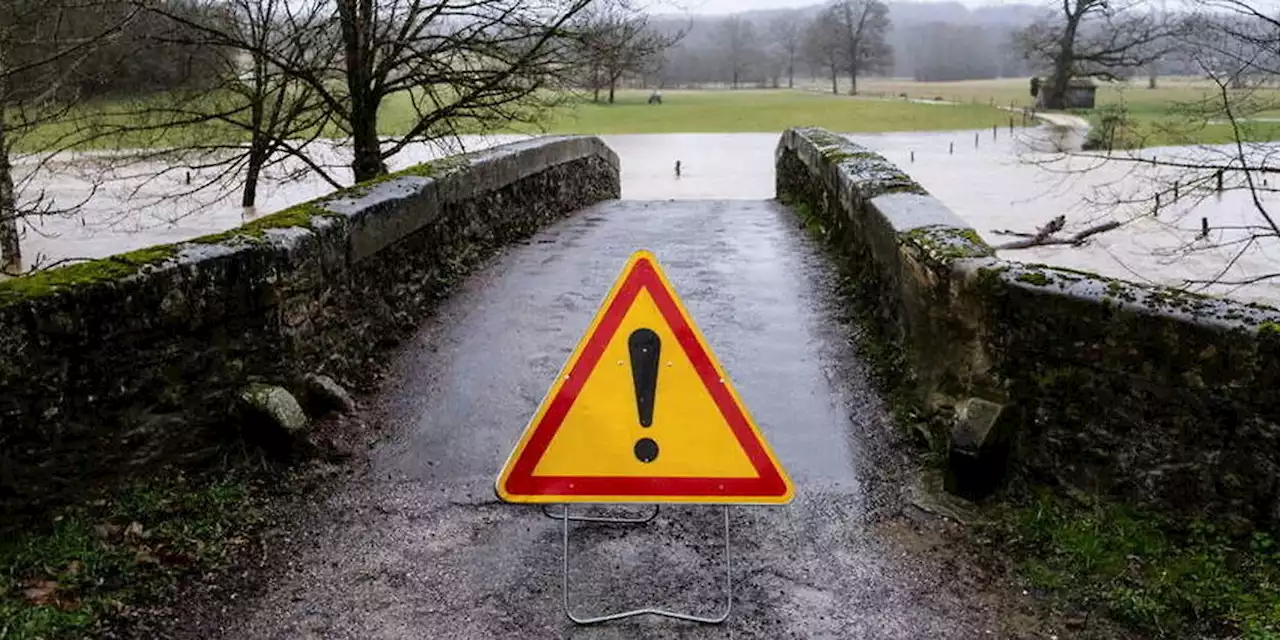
1012,184
143,204
999,184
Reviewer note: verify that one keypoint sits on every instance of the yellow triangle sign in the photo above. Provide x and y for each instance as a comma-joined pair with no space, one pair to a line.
643,412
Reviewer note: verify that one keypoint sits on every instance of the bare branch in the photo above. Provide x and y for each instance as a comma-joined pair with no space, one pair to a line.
1044,236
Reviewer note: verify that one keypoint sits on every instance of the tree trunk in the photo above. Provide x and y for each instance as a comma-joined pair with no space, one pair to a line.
613,84
253,172
367,162
1055,90
10,249
357,35
835,80
853,46
791,73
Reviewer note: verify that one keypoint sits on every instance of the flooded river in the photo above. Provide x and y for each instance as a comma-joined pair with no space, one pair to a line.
992,186
1002,185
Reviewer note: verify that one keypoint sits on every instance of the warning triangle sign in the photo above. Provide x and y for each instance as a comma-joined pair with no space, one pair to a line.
643,412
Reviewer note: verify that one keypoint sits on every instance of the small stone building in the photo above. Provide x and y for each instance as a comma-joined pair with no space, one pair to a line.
1081,94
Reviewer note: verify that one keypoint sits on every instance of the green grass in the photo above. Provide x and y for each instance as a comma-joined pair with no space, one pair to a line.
1159,125
878,108
764,111
98,559
1155,118
1016,91
682,112
1173,580
120,123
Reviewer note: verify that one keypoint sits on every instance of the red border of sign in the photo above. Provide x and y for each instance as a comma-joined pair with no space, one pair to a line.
643,276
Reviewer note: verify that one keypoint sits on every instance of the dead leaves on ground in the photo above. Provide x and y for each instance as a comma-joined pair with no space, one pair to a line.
113,544
49,593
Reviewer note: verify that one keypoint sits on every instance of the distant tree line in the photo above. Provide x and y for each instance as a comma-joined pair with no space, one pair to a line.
845,40
134,55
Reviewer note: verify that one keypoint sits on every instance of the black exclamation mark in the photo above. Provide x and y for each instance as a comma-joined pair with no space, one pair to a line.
645,347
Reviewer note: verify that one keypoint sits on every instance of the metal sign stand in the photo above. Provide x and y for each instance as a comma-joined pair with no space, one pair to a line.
565,519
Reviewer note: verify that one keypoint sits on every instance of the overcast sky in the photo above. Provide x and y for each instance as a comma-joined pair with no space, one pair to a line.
731,6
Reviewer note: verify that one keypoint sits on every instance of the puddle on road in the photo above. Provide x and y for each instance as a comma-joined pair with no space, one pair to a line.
988,186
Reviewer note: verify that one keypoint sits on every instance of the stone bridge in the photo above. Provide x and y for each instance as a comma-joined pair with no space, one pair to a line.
450,294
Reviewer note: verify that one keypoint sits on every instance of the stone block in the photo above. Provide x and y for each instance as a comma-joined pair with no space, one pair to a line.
976,422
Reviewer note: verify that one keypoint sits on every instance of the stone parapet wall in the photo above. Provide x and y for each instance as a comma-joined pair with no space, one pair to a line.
1160,397
112,369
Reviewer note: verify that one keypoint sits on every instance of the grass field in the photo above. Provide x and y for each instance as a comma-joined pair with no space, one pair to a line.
764,111
1152,113
681,112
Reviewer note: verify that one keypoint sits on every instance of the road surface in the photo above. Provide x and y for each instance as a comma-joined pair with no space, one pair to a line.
420,548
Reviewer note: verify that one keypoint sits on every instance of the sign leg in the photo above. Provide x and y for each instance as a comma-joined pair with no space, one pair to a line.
728,586
546,511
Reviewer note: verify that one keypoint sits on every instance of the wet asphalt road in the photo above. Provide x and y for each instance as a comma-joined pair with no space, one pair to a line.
420,547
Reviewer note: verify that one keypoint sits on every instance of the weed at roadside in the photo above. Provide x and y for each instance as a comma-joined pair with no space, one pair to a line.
96,560
1168,578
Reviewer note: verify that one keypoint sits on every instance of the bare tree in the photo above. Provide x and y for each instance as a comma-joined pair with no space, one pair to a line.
949,52
786,33
1093,39
453,65
863,26
246,114
1181,191
737,38
615,39
824,44
41,46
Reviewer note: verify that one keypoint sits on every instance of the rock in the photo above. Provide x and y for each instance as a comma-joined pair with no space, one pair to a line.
281,419
325,394
975,424
979,448
927,493
106,531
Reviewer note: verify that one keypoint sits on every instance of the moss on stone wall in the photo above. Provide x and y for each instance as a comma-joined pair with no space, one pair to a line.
1037,278
1154,299
51,281
950,243
296,216
874,174
443,166
48,282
